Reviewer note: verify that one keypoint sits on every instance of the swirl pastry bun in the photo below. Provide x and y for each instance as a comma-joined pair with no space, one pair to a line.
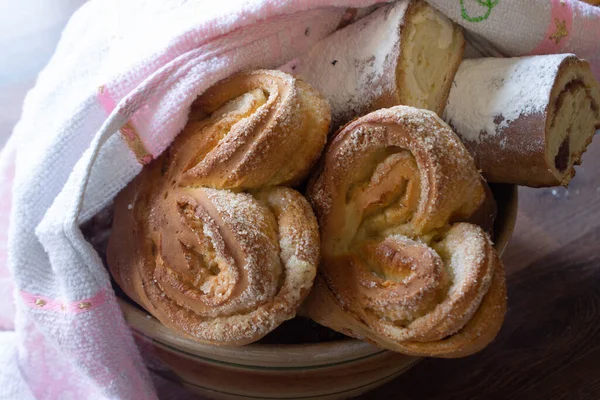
400,267
208,238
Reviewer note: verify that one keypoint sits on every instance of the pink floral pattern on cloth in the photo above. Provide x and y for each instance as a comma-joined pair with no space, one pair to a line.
521,28
559,27
573,24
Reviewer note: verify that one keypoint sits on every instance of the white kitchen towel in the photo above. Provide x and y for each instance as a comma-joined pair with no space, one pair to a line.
519,28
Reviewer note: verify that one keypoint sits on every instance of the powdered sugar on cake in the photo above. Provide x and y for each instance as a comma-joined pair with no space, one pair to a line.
348,67
489,94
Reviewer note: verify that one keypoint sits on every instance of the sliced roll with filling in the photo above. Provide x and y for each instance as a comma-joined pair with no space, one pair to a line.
405,53
525,120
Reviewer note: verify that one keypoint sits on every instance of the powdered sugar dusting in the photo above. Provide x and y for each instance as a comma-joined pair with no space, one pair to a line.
419,134
408,284
298,239
212,264
489,94
349,67
254,230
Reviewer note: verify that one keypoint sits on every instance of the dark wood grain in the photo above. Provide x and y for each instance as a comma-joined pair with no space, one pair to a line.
549,346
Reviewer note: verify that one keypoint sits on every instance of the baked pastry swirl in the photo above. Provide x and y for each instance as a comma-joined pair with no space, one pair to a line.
206,238
399,266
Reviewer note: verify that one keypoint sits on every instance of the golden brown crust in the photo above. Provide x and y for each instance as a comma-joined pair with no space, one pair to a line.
396,270
291,120
220,265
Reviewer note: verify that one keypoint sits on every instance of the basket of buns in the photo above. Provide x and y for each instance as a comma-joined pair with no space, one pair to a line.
314,231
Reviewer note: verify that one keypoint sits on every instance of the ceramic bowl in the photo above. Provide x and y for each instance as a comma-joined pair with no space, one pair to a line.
327,370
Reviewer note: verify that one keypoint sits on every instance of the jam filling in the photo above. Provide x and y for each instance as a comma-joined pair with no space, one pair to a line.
562,157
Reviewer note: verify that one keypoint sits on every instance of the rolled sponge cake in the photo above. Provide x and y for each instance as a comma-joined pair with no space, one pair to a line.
525,120
405,53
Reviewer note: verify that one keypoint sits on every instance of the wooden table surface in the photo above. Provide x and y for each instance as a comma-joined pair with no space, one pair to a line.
549,346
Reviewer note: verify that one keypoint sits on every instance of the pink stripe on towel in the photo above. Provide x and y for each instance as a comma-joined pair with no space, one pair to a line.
73,307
